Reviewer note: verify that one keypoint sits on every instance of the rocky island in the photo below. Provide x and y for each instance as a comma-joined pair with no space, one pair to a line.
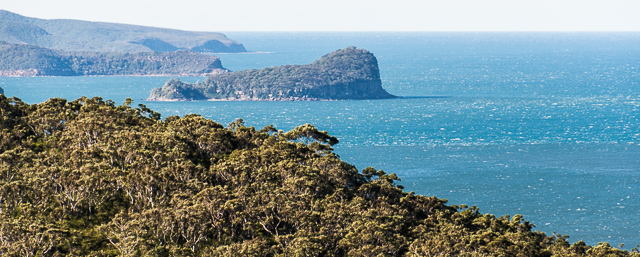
77,35
30,60
1,91
349,73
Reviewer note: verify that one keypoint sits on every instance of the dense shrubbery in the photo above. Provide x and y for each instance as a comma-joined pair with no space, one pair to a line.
37,61
88,177
344,74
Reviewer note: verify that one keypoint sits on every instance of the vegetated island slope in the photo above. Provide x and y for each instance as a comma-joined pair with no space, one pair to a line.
349,73
76,35
30,60
90,178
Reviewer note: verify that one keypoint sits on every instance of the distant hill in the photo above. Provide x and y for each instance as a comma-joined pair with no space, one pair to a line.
349,73
76,35
29,60
1,91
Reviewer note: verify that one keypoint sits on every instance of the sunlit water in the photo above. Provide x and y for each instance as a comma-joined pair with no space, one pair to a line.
541,124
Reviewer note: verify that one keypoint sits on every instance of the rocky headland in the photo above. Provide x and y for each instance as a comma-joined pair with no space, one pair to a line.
349,73
30,60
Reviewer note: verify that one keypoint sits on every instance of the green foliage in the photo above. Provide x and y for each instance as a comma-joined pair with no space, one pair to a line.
90,178
307,133
349,73
31,60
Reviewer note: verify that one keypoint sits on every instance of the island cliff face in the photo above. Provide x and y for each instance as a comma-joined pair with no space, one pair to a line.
77,35
349,73
29,60
1,91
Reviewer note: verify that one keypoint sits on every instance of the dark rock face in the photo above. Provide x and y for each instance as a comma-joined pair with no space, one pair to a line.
349,73
175,90
1,91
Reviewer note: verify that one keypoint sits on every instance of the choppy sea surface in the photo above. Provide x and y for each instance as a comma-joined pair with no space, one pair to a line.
546,125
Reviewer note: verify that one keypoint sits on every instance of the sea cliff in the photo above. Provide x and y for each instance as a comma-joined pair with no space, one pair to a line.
349,73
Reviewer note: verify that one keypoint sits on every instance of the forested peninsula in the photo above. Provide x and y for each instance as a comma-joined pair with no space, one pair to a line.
30,60
348,73
77,35
91,178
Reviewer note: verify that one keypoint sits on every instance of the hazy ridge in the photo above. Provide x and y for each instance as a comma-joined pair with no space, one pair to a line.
77,35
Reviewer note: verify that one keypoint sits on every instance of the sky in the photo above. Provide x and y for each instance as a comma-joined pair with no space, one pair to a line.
346,15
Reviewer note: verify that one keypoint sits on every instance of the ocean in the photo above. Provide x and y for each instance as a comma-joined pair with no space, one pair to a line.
546,125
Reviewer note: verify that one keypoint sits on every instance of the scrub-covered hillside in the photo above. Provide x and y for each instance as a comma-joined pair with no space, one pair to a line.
92,178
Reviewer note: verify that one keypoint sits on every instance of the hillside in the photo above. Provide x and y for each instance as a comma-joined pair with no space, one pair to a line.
90,178
349,73
76,35
29,60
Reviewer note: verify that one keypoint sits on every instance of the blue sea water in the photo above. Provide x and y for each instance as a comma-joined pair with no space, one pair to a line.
546,125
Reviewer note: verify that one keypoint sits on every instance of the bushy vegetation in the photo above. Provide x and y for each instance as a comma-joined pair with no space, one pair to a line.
92,178
349,73
29,60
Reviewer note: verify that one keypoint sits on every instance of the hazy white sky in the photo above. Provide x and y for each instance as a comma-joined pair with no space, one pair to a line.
347,15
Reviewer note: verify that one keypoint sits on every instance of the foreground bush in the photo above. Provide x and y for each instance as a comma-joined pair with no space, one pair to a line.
88,177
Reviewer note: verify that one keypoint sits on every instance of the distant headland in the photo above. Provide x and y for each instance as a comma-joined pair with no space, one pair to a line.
30,60
348,73
77,35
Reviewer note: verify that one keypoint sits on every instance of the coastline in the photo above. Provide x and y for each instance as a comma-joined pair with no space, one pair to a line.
33,73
